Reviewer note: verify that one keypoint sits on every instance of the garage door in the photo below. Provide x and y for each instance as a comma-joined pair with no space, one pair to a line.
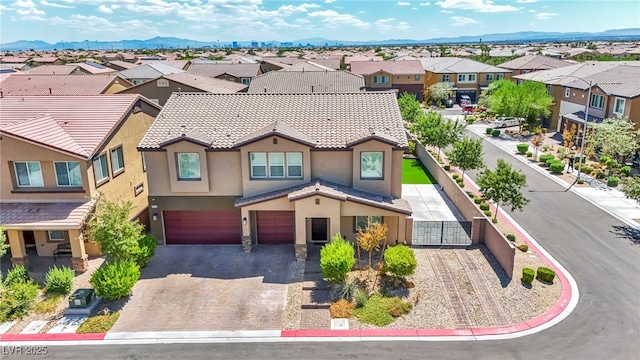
276,227
202,227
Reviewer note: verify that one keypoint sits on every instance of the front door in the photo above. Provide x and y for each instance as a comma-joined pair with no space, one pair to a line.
319,229
29,239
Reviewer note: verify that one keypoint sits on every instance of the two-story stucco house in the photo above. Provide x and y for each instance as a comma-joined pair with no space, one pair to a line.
275,168
57,154
403,76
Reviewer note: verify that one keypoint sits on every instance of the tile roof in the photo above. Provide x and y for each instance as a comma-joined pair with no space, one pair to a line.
45,216
308,66
29,84
178,64
402,67
294,82
93,68
83,122
453,65
534,62
331,120
215,70
149,71
206,83
52,70
332,190
122,64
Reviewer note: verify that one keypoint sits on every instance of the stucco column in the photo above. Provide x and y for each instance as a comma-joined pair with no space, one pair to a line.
18,251
408,230
402,222
246,229
334,224
79,257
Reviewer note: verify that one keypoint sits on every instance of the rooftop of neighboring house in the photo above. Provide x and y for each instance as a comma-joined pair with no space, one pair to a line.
349,59
405,67
296,82
206,84
453,65
45,59
29,84
122,64
308,66
77,125
53,70
149,71
93,68
178,64
226,121
14,59
215,70
534,62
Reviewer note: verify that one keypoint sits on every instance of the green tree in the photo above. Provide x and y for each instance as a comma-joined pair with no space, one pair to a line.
614,137
439,92
466,155
631,188
111,229
503,186
4,247
529,100
370,239
432,129
409,107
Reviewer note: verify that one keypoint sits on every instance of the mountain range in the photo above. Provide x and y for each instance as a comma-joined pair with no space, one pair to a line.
175,43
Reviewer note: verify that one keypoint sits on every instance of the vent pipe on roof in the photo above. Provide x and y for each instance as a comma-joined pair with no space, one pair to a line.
179,91
311,88
1,94
265,90
50,91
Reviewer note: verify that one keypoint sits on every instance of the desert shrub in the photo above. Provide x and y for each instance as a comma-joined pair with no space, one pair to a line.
17,274
59,280
461,184
552,161
471,119
455,176
585,169
477,200
488,213
114,281
523,247
17,299
447,167
600,175
545,148
347,290
543,130
98,323
360,297
48,305
527,275
147,246
459,179
529,154
336,259
545,274
613,181
400,261
484,206
604,160
557,168
489,130
522,148
511,237
380,310
545,157
626,170
580,181
341,309
495,133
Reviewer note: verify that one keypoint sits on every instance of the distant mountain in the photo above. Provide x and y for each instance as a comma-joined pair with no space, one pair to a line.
175,43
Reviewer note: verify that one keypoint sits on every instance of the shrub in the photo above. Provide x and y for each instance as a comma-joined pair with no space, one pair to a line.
336,259
613,181
552,161
59,280
529,154
545,147
380,310
557,168
98,323
495,133
470,194
626,170
147,246
447,167
604,159
585,169
341,309
493,220
17,299
580,181
114,281
471,119
511,237
489,130
545,274
360,297
543,130
48,305
400,261
527,275
459,179
522,148
477,200
455,176
600,175
488,213
411,149
461,184
347,290
17,274
545,157
523,247
484,206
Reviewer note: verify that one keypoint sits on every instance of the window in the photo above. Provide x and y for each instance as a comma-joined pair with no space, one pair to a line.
136,82
188,166
445,78
597,101
117,161
56,235
246,81
294,164
489,77
472,77
416,77
100,171
162,83
567,92
258,165
462,77
363,222
371,165
28,173
68,173
276,164
380,79
499,76
618,107
468,78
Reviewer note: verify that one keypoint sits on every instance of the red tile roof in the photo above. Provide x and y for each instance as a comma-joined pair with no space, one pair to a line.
29,84
45,216
410,67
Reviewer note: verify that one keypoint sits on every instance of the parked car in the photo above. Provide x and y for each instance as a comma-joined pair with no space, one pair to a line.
448,103
504,122
465,99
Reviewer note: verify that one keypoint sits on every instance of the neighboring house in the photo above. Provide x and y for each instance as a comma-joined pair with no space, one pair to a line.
58,154
403,76
466,76
47,61
14,59
530,63
160,90
28,84
56,70
240,73
275,168
297,82
93,68
119,65
308,66
178,64
615,92
147,72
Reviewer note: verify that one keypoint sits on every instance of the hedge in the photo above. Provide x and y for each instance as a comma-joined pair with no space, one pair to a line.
613,181
489,130
495,133
484,206
527,275
545,274
522,148
543,158
557,167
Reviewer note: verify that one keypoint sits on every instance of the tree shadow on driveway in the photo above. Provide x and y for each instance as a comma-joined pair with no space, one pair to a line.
627,232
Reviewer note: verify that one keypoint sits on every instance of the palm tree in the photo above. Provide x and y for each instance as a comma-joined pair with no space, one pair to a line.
537,143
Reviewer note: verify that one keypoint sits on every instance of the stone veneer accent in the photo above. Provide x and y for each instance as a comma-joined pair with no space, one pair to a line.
246,244
80,264
301,252
20,261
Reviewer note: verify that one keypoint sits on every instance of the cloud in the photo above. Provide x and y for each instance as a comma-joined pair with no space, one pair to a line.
105,9
545,15
386,25
462,21
484,6
98,25
403,3
361,12
446,12
333,19
425,3
329,1
532,11
46,3
526,1
28,10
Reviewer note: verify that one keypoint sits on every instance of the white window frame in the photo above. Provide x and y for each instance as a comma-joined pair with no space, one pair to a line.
472,77
120,167
245,81
489,77
445,77
104,171
182,176
370,219
66,165
291,163
276,159
256,163
31,182
596,104
266,160
416,77
499,76
162,83
381,79
56,239
367,153
462,77
467,78
567,92
615,105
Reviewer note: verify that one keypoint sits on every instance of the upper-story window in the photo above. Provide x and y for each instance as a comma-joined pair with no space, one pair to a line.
371,165
188,166
162,83
100,169
618,106
28,173
597,101
117,160
276,165
567,92
416,77
489,77
246,81
445,78
499,76
380,79
466,78
68,173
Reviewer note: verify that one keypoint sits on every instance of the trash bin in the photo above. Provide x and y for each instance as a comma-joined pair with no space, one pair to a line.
81,298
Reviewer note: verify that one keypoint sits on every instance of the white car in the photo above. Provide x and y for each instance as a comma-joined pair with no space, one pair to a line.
504,122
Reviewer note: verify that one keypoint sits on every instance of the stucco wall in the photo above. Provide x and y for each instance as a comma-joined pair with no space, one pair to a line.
335,166
382,186
152,91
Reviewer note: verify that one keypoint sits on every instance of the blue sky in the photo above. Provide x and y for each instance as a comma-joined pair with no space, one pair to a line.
285,20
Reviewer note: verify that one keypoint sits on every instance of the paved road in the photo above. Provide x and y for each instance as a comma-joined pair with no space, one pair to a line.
604,325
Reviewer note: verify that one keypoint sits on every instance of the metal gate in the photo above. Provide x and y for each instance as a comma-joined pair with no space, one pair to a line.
441,233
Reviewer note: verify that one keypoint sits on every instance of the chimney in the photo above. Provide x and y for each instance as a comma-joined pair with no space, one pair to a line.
50,91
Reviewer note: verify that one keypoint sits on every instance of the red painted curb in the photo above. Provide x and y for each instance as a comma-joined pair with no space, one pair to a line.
445,332
389,332
51,337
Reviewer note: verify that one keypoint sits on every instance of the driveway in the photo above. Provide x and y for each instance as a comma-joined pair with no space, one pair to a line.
191,288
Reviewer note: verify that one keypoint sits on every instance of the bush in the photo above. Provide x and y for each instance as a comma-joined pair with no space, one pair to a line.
48,305
336,259
495,133
347,290
557,168
626,170
455,176
545,274
360,297
17,274
98,323
545,147
580,181
447,167
380,310
523,247
543,130
477,200
600,175
585,169
115,281
545,157
341,309
529,154
488,213
489,130
484,206
459,179
527,275
411,149
470,194
552,161
59,280
461,184
17,299
147,246
511,237
522,148
613,181
471,119
400,261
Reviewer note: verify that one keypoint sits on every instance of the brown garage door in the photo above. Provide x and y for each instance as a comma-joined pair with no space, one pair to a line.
202,227
276,227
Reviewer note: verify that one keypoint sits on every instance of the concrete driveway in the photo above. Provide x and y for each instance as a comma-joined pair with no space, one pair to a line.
192,288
